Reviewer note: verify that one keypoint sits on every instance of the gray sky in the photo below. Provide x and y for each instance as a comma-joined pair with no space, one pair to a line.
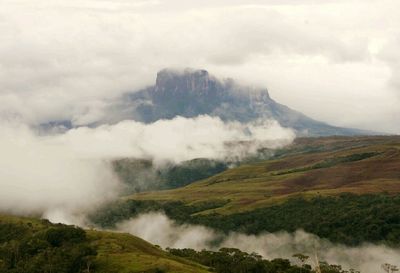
336,61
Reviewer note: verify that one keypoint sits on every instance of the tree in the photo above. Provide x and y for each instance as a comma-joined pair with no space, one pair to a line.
301,257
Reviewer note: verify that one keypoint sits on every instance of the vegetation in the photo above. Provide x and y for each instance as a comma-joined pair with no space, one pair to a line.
232,260
346,218
31,245
330,162
53,248
141,175
310,168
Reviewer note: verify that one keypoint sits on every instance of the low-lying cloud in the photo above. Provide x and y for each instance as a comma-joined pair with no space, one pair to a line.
175,140
40,178
159,229
63,176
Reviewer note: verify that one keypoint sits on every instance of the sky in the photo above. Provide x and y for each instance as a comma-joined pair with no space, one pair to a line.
336,61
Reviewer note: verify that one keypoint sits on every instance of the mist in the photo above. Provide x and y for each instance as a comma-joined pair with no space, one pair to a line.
49,180
175,140
158,229
66,175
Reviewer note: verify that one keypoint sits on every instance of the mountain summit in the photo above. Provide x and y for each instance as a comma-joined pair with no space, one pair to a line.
191,92
186,81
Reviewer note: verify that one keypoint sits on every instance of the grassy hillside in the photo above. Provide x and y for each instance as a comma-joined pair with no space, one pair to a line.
32,245
345,189
29,245
310,167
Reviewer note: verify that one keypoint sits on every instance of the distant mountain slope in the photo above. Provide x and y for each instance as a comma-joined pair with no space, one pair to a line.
190,93
345,189
309,167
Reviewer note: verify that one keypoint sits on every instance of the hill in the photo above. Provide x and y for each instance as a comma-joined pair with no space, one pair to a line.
33,245
30,245
345,189
309,167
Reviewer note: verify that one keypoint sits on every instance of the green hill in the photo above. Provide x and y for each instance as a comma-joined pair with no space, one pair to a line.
309,167
345,189
29,245
33,245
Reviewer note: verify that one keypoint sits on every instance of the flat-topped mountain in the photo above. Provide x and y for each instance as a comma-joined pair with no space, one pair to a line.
190,93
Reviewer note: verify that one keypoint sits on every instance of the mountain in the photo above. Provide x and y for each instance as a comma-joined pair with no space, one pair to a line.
190,93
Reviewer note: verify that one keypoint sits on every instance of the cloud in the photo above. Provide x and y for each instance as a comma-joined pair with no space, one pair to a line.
391,56
159,229
40,178
71,59
64,176
175,140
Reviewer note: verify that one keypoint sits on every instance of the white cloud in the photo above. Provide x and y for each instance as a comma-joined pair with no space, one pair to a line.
174,140
39,178
70,59
64,176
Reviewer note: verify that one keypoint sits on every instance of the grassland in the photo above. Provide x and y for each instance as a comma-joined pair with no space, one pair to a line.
309,167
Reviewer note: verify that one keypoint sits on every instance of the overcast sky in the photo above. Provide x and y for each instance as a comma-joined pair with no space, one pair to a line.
336,61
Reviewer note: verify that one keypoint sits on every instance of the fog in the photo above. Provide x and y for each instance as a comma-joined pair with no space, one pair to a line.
175,140
63,176
159,229
50,180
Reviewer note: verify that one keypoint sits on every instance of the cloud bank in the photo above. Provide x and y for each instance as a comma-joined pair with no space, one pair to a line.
52,180
65,175
159,229
175,140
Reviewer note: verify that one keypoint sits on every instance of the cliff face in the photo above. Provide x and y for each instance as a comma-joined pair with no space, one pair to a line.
188,88
185,81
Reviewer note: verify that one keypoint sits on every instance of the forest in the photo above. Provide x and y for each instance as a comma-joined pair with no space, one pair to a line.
347,218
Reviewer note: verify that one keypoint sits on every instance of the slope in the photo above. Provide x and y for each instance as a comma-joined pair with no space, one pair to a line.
33,245
345,189
309,167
